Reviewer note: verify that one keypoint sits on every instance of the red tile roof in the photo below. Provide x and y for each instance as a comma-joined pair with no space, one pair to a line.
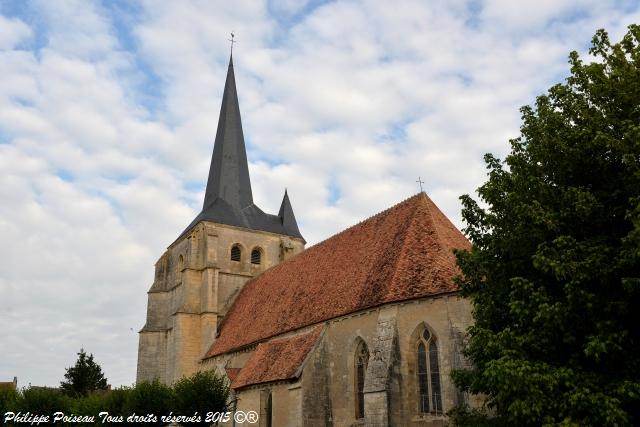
232,373
403,253
277,360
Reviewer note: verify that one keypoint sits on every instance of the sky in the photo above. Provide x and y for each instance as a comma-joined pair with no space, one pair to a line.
108,113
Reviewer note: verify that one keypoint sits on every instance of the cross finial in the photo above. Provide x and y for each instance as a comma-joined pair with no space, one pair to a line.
232,41
419,181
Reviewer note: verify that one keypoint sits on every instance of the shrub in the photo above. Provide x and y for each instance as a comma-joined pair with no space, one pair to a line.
115,402
43,401
202,392
8,400
150,398
90,405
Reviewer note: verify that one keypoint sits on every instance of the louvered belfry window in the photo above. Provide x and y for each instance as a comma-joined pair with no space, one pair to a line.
236,253
256,256
429,374
362,359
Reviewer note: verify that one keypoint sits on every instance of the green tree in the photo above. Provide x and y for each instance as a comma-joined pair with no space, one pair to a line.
202,392
554,271
86,376
149,398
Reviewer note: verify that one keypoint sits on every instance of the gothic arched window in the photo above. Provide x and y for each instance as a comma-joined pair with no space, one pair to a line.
429,374
256,256
361,362
236,253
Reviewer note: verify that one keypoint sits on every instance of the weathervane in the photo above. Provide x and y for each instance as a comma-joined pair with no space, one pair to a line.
419,181
232,41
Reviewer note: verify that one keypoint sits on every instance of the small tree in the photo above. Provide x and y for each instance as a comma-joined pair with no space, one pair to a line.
202,392
554,272
86,376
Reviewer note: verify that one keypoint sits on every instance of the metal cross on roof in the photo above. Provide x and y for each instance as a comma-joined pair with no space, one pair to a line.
419,181
232,41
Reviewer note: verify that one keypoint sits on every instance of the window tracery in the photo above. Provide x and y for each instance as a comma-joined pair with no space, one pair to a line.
429,387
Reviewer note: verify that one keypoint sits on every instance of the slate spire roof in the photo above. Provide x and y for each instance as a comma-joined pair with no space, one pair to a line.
229,171
286,215
228,198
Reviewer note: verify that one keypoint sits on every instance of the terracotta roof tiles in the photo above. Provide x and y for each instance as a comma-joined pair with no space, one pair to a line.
232,373
403,253
277,360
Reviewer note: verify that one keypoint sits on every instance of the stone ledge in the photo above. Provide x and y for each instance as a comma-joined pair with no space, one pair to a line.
429,420
146,329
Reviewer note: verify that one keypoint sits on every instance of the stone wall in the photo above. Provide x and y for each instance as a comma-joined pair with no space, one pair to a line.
316,406
195,283
327,387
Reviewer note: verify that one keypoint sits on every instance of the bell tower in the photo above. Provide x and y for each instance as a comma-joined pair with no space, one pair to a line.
230,241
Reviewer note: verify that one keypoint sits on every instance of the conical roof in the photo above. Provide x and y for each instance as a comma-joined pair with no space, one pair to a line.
286,215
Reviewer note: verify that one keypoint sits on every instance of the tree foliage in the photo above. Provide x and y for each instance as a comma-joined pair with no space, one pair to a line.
150,397
202,392
42,400
90,405
149,401
554,272
8,400
86,376
115,401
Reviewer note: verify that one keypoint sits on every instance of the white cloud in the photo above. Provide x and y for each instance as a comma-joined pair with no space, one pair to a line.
12,32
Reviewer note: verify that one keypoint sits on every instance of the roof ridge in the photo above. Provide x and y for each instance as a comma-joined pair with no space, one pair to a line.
379,214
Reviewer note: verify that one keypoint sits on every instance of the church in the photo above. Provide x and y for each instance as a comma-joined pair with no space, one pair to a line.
361,329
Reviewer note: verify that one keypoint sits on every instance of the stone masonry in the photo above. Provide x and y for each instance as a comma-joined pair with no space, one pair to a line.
195,284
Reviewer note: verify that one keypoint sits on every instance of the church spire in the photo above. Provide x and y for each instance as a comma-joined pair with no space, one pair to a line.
228,198
229,171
